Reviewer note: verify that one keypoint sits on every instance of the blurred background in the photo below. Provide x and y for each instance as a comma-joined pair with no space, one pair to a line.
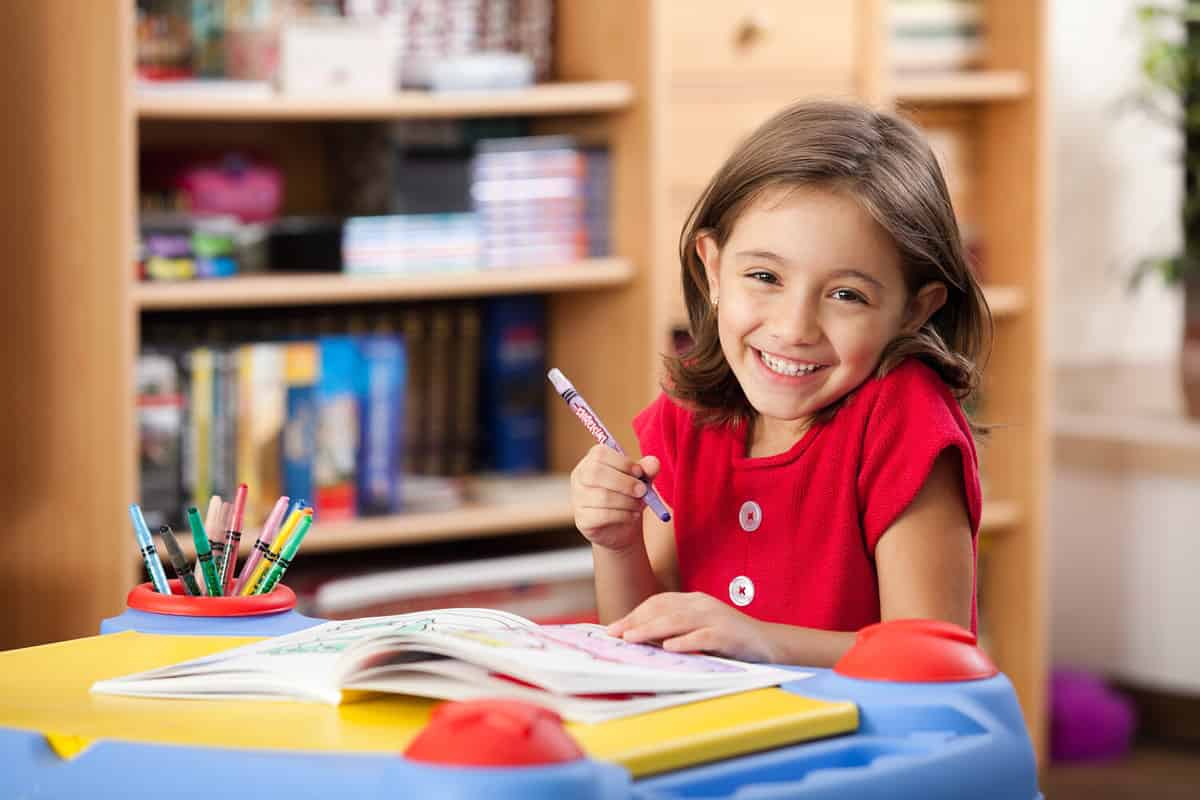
329,248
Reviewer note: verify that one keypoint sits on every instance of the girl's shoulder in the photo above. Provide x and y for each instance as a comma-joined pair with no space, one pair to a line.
665,412
911,384
673,421
911,398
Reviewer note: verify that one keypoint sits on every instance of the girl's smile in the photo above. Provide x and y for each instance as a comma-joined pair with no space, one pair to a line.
809,291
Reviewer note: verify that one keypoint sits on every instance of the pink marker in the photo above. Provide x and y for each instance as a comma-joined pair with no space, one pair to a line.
600,434
267,535
233,538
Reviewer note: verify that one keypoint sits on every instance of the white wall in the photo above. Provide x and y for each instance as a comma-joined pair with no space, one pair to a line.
1125,591
1124,549
1115,190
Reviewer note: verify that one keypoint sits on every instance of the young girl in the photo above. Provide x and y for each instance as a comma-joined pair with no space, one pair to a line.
821,473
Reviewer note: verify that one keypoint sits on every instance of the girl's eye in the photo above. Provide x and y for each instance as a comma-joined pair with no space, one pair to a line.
848,295
763,276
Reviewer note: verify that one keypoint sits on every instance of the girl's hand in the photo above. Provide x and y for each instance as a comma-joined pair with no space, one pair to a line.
693,622
606,496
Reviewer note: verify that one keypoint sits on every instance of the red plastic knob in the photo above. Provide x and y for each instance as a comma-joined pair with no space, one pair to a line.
915,651
493,733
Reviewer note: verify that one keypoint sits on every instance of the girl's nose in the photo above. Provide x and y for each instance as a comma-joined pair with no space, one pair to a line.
798,323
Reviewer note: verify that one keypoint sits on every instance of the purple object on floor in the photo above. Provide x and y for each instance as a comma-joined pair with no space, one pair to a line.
1088,720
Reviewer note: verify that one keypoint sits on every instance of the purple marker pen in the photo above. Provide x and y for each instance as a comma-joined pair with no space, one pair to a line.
600,433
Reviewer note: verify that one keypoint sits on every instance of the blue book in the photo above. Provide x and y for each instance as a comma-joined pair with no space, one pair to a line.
300,373
512,390
339,414
385,368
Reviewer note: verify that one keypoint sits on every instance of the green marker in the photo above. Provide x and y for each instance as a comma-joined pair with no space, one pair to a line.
204,553
179,561
285,557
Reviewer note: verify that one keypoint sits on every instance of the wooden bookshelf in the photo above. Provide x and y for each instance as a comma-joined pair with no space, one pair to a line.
999,516
1005,301
979,86
583,97
335,288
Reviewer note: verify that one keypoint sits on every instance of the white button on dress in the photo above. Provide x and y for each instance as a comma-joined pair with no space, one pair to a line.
741,590
750,516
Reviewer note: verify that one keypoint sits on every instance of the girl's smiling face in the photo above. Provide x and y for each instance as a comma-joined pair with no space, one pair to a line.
810,290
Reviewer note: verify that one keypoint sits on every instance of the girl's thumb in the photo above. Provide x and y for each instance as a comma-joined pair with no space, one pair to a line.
650,466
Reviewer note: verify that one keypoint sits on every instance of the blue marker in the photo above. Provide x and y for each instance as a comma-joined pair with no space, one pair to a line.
600,434
149,554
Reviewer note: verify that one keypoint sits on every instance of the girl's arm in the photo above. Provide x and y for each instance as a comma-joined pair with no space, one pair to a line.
632,550
626,577
925,564
924,561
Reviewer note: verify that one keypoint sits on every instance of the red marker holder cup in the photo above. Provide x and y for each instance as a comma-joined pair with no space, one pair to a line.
147,611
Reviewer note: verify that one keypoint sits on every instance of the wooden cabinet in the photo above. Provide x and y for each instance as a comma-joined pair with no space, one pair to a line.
797,43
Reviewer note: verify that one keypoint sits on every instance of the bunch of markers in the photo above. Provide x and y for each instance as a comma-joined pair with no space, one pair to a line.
216,540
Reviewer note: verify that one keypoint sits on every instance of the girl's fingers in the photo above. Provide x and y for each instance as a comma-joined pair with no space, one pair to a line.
607,499
592,519
604,468
697,641
664,624
604,477
650,466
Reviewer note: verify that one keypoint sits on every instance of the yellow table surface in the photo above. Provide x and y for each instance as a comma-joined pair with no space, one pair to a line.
45,689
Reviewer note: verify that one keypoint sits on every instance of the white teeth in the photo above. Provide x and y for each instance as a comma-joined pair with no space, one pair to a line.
787,367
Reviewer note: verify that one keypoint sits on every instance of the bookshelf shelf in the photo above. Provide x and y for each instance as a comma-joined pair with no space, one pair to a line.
469,521
530,504
330,289
545,99
976,86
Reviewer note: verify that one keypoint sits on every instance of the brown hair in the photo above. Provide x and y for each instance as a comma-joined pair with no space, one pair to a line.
885,163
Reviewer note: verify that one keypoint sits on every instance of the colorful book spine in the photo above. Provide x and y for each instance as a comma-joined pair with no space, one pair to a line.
511,397
464,422
301,371
161,409
200,406
416,338
335,462
437,402
379,452
262,409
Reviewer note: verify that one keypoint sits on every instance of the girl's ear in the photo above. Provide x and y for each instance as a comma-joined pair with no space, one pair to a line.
710,257
923,305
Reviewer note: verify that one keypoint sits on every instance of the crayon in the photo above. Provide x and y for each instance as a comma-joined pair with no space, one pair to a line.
212,522
204,553
224,520
233,538
285,558
149,554
262,544
179,561
255,582
600,433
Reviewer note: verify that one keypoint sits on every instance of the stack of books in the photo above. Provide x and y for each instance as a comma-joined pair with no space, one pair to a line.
936,35
339,417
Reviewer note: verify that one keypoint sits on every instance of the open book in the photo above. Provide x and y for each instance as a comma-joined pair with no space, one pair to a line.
457,654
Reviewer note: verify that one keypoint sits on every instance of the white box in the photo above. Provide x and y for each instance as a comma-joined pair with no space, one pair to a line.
339,56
